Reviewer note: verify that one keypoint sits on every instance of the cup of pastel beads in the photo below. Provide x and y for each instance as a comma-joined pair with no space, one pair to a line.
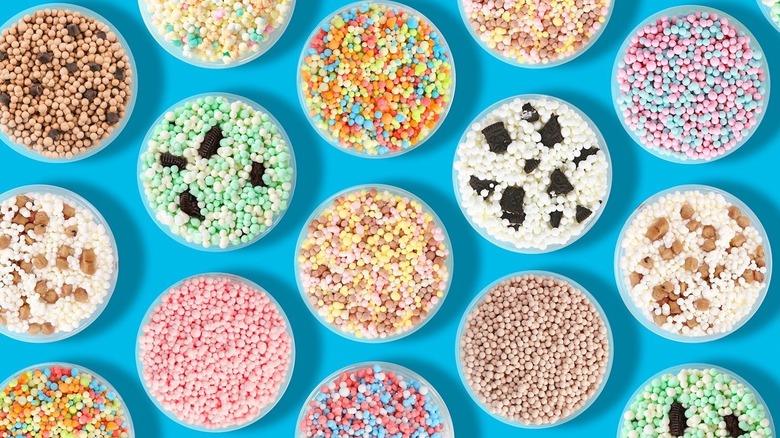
549,383
532,174
380,274
217,34
690,84
72,92
217,172
696,400
693,263
58,263
771,10
383,387
215,352
376,79
536,33
62,400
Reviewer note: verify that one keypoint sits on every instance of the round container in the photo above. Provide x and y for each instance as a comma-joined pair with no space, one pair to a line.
215,248
82,370
405,373
607,370
23,150
768,14
676,157
625,294
334,141
449,262
697,366
282,388
514,62
178,52
596,214
98,218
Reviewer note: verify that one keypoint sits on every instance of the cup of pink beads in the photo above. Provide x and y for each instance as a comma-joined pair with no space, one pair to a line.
178,341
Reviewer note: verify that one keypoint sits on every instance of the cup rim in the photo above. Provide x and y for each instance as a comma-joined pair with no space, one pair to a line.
98,220
678,11
129,106
231,98
599,310
508,245
282,388
625,294
326,136
396,191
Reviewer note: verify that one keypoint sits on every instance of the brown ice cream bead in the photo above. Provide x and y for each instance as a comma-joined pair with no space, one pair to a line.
41,287
702,304
693,225
81,295
738,240
686,212
47,328
39,261
646,262
709,232
72,231
24,312
50,296
68,211
677,247
658,230
743,221
735,212
708,245
691,263
5,241
34,329
635,278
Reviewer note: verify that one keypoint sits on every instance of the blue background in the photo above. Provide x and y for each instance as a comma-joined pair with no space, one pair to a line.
151,261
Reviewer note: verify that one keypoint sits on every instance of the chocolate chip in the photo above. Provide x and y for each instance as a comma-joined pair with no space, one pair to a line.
210,142
90,94
515,219
584,154
73,30
482,185
102,35
188,203
732,426
498,137
45,57
72,67
582,213
54,134
256,174
36,90
112,118
551,132
559,184
531,165
529,113
677,420
555,218
5,99
167,159
119,74
512,200
94,66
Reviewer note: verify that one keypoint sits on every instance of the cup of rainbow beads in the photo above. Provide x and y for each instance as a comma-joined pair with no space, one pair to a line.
376,79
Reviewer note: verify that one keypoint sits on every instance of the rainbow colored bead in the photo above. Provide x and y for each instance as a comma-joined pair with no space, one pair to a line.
61,402
376,79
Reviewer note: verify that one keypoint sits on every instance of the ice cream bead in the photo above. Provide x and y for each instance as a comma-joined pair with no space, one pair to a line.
376,78
62,401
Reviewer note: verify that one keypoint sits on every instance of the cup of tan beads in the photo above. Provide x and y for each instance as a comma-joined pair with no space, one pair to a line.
58,263
693,263
515,378
69,85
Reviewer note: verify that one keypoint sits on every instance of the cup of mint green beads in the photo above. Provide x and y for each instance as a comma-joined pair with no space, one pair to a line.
696,400
217,172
